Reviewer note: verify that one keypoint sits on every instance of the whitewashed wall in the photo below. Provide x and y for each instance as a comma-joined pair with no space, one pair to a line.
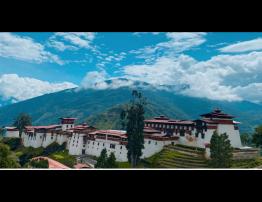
12,134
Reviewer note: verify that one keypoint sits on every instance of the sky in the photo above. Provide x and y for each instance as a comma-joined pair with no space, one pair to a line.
218,66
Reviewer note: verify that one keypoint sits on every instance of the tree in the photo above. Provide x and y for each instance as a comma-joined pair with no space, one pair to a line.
257,136
221,152
6,158
21,121
133,118
39,164
245,139
102,160
111,161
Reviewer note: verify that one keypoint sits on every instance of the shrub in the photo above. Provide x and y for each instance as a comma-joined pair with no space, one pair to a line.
54,147
29,153
13,143
39,164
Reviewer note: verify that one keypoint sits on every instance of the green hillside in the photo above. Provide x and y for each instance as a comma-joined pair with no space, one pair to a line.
102,107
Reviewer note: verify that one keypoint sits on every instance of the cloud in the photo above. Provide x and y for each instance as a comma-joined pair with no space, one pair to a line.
142,33
101,80
244,46
25,49
177,42
71,40
21,88
210,79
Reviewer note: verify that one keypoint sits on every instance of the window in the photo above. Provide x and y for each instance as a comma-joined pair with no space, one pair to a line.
120,148
98,144
149,142
172,143
103,144
156,143
202,135
93,143
196,134
112,146
182,133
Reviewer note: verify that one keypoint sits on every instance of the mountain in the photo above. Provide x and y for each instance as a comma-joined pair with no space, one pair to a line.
102,107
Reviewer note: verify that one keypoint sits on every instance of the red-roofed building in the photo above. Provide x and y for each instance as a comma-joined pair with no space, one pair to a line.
51,163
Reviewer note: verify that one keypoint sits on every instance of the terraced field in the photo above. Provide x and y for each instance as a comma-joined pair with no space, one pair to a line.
178,156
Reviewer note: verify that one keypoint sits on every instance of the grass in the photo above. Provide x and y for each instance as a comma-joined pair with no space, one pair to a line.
64,158
250,163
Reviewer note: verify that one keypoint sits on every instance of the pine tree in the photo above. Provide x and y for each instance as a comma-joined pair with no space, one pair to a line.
21,121
133,118
102,160
221,152
111,161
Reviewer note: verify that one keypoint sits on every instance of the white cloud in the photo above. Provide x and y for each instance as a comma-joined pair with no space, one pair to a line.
244,46
208,79
71,40
21,88
25,49
100,80
251,92
177,42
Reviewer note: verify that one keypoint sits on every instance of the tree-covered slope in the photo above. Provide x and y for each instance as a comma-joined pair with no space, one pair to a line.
102,107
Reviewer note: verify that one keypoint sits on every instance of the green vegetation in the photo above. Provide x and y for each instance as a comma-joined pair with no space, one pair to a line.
7,159
13,143
133,122
54,147
246,139
64,158
103,161
176,156
39,164
83,104
25,154
257,136
21,121
221,152
251,163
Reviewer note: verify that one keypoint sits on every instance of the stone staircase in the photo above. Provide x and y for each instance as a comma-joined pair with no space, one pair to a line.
179,156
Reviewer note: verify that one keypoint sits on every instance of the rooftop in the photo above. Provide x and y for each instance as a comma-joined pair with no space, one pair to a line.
52,163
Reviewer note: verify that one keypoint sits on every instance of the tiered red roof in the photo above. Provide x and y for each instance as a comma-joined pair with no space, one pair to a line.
217,113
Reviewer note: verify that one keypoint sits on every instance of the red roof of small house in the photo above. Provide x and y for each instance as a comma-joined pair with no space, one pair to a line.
52,163
81,166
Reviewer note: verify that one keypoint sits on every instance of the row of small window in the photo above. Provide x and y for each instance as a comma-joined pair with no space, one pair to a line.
168,126
67,126
149,142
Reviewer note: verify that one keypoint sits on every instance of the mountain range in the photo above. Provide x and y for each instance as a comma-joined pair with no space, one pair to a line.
102,107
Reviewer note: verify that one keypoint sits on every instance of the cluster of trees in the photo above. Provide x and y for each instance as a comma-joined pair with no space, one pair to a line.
7,158
104,161
254,139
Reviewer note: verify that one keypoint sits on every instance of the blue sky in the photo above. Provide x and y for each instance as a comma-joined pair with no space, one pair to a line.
227,65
